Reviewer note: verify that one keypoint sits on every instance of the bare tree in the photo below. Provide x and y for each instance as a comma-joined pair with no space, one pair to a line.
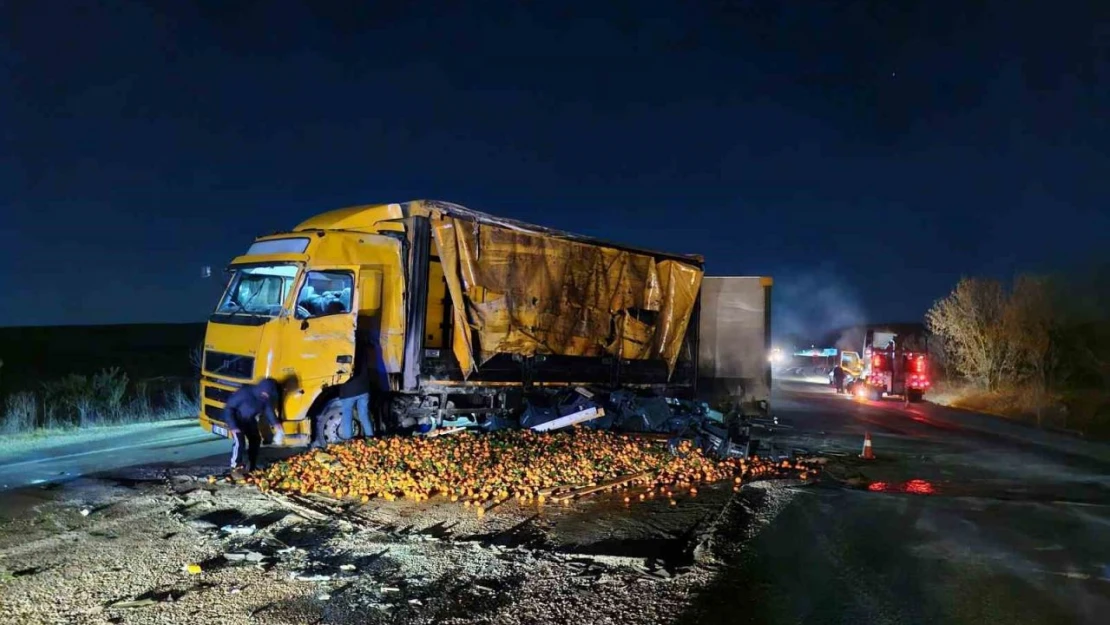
971,321
939,360
1031,321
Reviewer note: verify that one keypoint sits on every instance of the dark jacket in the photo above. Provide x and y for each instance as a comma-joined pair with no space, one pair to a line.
247,403
359,384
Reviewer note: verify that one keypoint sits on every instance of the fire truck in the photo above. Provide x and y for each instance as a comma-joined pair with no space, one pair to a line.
892,365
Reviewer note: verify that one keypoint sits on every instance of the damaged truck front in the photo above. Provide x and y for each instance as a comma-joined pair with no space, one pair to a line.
464,315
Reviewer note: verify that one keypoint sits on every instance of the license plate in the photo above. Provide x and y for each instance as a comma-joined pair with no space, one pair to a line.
219,431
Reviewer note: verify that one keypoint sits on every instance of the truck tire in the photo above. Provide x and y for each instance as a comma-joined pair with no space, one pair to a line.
874,394
914,396
333,424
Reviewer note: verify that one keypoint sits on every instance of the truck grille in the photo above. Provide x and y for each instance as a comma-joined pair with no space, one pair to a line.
231,365
216,393
214,412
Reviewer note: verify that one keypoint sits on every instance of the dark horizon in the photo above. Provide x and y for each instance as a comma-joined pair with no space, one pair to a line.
866,155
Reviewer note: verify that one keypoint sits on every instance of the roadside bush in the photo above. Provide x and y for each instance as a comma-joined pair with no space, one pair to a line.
180,404
1037,350
95,400
105,398
140,403
20,413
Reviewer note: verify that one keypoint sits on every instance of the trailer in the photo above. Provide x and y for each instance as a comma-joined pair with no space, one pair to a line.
465,313
734,347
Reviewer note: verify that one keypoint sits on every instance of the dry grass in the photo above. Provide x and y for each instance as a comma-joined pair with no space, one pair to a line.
20,413
1086,413
104,399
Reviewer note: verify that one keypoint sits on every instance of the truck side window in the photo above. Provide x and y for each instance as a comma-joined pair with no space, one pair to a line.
325,293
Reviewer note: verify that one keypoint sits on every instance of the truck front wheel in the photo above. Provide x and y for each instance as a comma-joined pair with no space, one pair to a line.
874,394
915,396
332,420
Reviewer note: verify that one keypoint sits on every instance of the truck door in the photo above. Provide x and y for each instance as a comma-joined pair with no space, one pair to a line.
320,344
851,364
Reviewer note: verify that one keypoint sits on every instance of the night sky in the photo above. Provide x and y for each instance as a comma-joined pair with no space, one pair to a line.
866,154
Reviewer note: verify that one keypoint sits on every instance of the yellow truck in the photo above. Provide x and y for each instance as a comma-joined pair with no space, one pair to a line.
463,313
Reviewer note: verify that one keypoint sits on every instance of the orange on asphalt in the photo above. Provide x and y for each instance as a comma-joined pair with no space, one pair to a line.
495,467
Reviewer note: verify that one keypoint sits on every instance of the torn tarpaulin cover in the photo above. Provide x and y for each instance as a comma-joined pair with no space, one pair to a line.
528,291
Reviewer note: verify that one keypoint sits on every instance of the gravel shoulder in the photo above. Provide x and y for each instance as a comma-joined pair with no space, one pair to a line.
79,552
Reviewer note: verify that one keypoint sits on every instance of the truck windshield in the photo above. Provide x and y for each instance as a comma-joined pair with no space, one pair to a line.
260,290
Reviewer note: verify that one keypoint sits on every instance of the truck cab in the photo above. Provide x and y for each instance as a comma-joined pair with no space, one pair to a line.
298,307
852,365
893,365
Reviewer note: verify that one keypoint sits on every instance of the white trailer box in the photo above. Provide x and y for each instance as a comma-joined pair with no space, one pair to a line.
734,342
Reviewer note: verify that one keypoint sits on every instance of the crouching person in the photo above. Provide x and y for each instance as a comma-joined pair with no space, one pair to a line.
241,414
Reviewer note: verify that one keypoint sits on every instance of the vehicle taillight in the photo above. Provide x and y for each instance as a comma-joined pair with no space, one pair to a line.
919,365
877,362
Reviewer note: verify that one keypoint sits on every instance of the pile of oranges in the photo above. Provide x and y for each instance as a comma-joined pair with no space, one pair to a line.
477,469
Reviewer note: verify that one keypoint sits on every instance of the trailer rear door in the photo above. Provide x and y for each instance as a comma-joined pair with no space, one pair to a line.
734,343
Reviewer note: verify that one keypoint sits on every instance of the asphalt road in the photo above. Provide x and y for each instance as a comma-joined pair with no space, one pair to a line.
148,446
961,518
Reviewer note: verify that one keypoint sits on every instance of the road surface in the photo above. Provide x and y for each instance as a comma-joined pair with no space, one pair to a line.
145,445
961,518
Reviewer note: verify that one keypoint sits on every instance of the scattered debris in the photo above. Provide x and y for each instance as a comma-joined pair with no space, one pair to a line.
445,432
239,530
198,493
85,511
346,567
317,577
137,603
201,525
239,556
587,414
193,569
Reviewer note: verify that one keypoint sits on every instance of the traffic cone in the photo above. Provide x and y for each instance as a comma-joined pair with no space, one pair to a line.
867,453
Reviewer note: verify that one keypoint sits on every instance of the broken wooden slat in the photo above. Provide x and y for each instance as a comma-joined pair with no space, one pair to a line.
306,512
589,490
